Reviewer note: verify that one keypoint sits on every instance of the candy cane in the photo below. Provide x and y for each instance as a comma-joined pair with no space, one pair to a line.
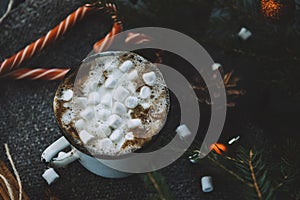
37,74
104,43
26,53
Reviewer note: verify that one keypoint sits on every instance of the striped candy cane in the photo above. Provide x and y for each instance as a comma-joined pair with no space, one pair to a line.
37,74
26,53
104,43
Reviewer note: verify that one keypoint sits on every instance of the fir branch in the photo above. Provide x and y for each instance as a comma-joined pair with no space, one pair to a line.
157,181
230,172
259,195
156,186
255,172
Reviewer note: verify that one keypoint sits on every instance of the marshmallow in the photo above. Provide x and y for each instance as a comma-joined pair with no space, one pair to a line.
244,33
66,105
207,184
145,105
133,75
133,123
129,136
50,176
104,130
131,102
67,95
120,94
111,82
145,92
107,100
103,114
94,98
149,78
67,117
114,121
126,66
116,74
82,101
93,86
183,131
88,114
79,124
233,140
106,144
110,66
216,66
85,136
116,135
119,108
131,87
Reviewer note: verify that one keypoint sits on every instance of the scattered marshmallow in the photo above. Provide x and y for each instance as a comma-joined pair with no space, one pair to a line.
149,78
129,136
126,66
133,123
106,144
88,114
119,108
145,92
103,114
120,94
116,135
67,95
115,121
216,66
133,75
183,131
94,98
111,82
85,136
50,176
107,100
131,102
79,124
207,184
233,140
244,33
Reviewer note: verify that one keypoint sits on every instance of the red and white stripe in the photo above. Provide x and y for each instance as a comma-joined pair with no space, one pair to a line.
105,43
56,74
26,53
37,74
137,38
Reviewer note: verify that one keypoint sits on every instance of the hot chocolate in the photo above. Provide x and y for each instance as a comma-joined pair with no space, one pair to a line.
113,104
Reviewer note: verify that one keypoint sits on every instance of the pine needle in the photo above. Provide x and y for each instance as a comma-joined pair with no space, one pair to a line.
253,175
156,186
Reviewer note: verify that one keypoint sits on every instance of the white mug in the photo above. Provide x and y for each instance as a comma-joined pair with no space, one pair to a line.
63,159
92,164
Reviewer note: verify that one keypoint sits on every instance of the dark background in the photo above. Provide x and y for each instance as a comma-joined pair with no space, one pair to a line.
28,125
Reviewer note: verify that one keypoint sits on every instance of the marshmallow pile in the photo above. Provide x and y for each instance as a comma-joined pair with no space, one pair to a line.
121,101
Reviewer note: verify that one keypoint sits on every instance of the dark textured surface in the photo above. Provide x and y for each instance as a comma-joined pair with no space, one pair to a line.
28,125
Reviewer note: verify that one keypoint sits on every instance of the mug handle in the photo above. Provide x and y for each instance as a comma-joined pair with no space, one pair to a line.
63,158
